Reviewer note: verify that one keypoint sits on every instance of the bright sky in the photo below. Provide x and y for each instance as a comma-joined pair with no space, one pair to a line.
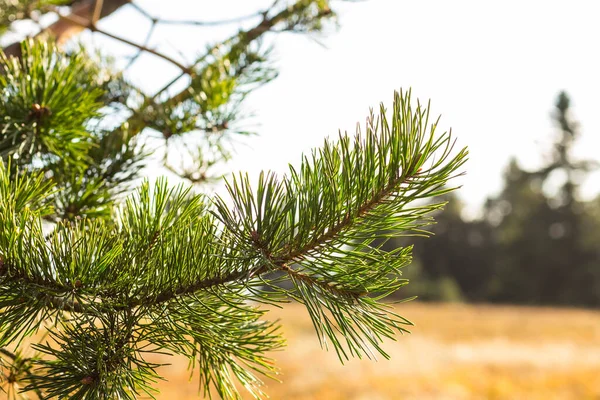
492,70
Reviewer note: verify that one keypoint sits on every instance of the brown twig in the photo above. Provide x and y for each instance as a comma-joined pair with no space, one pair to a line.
86,24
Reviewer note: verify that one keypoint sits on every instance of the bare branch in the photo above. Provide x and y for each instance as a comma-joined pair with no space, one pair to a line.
145,45
207,23
192,22
82,22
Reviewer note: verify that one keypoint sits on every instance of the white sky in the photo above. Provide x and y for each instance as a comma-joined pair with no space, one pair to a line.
492,69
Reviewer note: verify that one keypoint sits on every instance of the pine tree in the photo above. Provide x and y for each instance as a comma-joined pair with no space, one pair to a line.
110,274
542,252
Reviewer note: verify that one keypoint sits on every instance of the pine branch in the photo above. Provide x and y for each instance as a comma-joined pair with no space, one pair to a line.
315,245
243,39
169,271
190,102
182,264
47,100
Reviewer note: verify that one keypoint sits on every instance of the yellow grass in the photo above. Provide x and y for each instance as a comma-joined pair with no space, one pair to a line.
454,352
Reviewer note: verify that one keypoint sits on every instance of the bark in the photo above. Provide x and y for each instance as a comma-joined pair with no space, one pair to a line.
64,29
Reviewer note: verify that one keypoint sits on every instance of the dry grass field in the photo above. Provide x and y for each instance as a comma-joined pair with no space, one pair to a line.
454,352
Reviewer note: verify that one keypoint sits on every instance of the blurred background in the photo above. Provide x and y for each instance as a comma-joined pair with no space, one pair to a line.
509,285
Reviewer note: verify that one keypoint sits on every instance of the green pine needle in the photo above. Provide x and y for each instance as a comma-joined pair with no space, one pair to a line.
177,272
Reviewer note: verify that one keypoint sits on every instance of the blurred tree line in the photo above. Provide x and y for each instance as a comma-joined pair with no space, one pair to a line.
536,242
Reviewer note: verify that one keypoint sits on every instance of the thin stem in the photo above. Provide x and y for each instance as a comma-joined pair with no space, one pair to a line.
182,67
193,22
85,24
325,286
207,23
192,73
142,11
145,45
249,37
245,37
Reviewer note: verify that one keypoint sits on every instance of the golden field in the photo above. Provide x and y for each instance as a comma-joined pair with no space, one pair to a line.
454,352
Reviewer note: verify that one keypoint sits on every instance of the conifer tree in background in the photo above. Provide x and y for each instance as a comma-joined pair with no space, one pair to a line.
111,274
536,242
544,255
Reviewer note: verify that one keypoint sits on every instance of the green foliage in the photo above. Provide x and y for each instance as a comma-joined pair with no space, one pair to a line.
113,278
47,99
219,84
305,20
54,104
94,362
171,266
349,193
